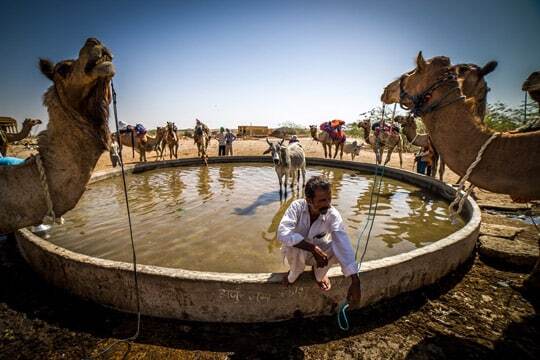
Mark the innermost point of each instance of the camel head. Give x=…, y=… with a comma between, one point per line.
x=532, y=86
x=406, y=121
x=428, y=73
x=365, y=124
x=470, y=76
x=532, y=83
x=313, y=130
x=31, y=122
x=390, y=93
x=83, y=84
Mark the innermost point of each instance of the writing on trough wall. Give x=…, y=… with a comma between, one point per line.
x=237, y=296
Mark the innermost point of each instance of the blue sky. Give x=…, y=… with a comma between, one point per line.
x=231, y=63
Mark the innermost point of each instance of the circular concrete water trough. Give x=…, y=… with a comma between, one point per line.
x=233, y=297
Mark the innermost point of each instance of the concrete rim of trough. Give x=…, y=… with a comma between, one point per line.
x=243, y=297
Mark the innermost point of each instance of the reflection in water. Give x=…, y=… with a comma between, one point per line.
x=226, y=176
x=270, y=234
x=203, y=186
x=336, y=180
x=184, y=219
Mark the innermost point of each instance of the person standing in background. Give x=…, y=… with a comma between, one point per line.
x=221, y=141
x=229, y=138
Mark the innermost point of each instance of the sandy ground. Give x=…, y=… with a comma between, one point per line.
x=476, y=312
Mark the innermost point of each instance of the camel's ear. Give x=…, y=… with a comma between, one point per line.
x=489, y=67
x=47, y=68
x=420, y=62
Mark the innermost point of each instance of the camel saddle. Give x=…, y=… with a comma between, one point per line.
x=387, y=129
x=334, y=129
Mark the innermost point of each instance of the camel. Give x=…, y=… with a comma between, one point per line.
x=171, y=139
x=474, y=88
x=471, y=81
x=408, y=128
x=28, y=124
x=385, y=139
x=324, y=138
x=141, y=144
x=160, y=142
x=458, y=135
x=78, y=105
x=202, y=139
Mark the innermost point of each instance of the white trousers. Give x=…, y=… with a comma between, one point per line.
x=298, y=259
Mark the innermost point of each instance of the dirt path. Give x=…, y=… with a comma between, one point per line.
x=474, y=313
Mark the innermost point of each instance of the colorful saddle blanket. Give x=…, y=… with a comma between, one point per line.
x=387, y=128
x=334, y=129
x=140, y=130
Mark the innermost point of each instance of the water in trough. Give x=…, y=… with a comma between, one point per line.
x=224, y=217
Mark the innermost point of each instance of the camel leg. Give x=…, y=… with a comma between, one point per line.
x=441, y=170
x=336, y=150
x=388, y=155
x=400, y=152
x=329, y=151
x=435, y=166
x=341, y=153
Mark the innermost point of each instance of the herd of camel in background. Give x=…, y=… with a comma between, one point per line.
x=471, y=81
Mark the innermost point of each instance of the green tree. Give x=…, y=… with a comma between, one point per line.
x=501, y=117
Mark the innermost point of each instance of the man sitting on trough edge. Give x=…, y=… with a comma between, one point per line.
x=312, y=233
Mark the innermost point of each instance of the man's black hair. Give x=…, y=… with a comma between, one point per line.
x=314, y=183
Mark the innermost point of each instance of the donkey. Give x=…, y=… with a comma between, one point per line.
x=288, y=161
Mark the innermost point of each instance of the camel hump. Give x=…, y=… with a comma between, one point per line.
x=489, y=67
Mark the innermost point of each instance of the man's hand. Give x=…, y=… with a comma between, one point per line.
x=354, y=293
x=320, y=256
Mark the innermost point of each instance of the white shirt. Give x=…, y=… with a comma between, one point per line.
x=295, y=227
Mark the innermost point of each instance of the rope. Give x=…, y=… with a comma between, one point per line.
x=460, y=195
x=525, y=109
x=414, y=138
x=50, y=217
x=342, y=319
x=134, y=255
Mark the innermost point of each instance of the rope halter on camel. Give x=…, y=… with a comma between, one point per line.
x=460, y=195
x=50, y=218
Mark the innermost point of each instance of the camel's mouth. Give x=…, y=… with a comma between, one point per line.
x=100, y=62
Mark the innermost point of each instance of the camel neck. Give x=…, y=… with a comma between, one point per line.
x=458, y=136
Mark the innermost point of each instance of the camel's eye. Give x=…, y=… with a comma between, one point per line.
x=64, y=69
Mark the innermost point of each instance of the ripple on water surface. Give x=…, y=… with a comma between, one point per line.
x=224, y=217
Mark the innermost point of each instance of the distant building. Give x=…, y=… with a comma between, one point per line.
x=248, y=130
x=8, y=124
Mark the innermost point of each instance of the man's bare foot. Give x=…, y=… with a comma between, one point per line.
x=324, y=284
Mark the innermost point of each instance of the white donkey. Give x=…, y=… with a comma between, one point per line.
x=288, y=161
